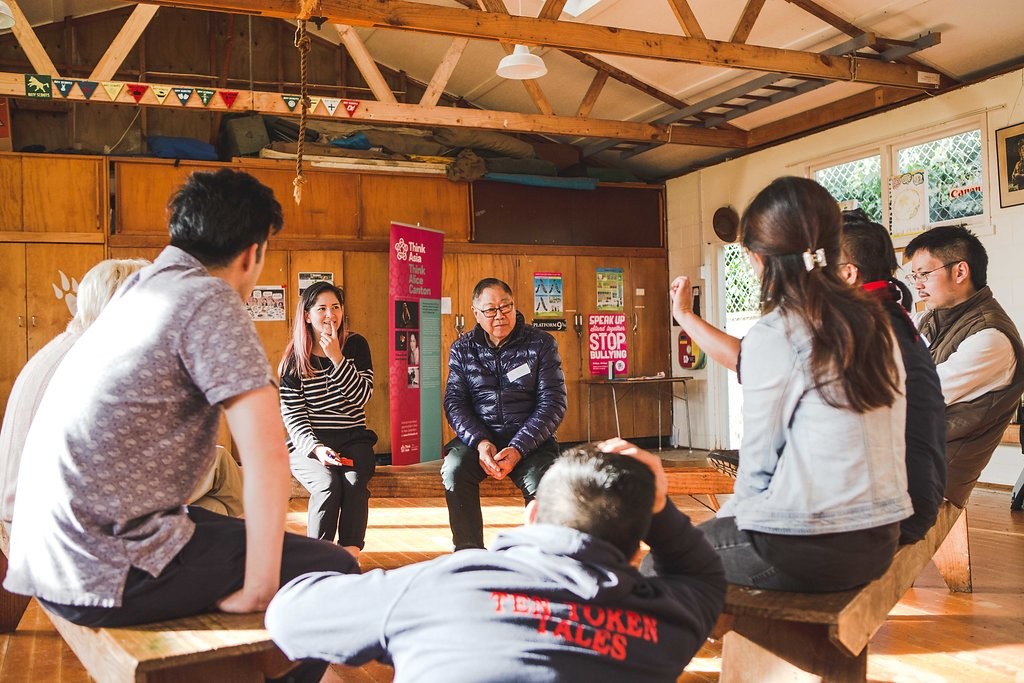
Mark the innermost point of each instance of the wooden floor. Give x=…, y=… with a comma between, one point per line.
x=931, y=636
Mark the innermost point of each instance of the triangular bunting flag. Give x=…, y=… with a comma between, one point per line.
x=184, y=95
x=313, y=101
x=113, y=89
x=290, y=101
x=229, y=97
x=137, y=90
x=160, y=92
x=351, y=106
x=87, y=88
x=38, y=85
x=64, y=86
x=205, y=94
x=332, y=104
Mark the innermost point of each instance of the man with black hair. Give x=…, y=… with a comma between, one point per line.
x=504, y=399
x=128, y=424
x=976, y=347
x=555, y=600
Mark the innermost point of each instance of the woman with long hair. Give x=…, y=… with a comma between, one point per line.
x=326, y=380
x=822, y=482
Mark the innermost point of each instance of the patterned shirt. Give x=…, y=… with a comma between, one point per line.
x=126, y=429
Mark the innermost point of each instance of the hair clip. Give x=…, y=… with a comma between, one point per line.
x=814, y=258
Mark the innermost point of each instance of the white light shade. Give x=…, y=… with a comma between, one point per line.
x=521, y=65
x=6, y=16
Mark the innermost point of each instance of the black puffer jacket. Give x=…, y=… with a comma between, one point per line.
x=483, y=402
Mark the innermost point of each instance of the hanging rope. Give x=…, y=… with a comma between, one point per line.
x=304, y=44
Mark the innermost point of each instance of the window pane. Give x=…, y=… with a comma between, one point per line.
x=860, y=180
x=954, y=174
x=742, y=310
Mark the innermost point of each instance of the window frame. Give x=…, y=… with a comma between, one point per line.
x=888, y=151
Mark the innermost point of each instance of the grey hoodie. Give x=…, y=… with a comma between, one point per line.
x=547, y=603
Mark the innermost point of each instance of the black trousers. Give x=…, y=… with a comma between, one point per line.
x=210, y=566
x=461, y=473
x=339, y=499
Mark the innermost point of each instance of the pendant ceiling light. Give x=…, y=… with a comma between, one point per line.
x=521, y=65
x=6, y=16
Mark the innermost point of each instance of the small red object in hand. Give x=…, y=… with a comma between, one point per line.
x=346, y=461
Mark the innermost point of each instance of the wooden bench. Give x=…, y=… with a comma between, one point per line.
x=228, y=648
x=777, y=635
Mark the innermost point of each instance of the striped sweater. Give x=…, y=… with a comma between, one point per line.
x=332, y=399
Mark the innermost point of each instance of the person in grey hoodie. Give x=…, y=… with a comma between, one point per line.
x=555, y=600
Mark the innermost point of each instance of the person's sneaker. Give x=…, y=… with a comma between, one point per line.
x=725, y=461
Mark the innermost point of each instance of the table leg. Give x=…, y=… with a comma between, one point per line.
x=689, y=432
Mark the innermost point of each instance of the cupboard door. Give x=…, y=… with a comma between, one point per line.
x=143, y=191
x=650, y=343
x=13, y=318
x=328, y=207
x=312, y=262
x=53, y=273
x=366, y=306
x=10, y=198
x=274, y=333
x=459, y=276
x=148, y=253
x=602, y=413
x=61, y=194
x=570, y=345
x=435, y=203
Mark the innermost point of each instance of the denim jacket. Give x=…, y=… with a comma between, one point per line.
x=807, y=468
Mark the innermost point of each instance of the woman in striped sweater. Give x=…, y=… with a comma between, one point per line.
x=326, y=380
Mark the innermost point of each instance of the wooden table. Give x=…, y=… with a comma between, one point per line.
x=628, y=382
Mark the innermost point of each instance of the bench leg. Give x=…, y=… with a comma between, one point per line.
x=760, y=650
x=953, y=558
x=12, y=606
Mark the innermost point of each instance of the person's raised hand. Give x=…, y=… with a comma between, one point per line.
x=681, y=295
x=652, y=461
x=330, y=342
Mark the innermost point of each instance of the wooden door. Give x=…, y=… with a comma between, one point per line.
x=62, y=194
x=459, y=276
x=53, y=272
x=13, y=317
x=570, y=345
x=10, y=197
x=366, y=306
x=650, y=344
x=143, y=191
x=274, y=333
x=602, y=408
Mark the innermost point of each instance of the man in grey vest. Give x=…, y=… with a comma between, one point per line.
x=976, y=347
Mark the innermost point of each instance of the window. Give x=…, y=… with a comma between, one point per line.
x=951, y=156
x=742, y=310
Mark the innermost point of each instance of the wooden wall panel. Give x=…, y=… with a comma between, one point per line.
x=328, y=207
x=274, y=334
x=650, y=341
x=13, y=317
x=142, y=192
x=62, y=194
x=366, y=306
x=10, y=197
x=326, y=261
x=570, y=346
x=46, y=292
x=435, y=203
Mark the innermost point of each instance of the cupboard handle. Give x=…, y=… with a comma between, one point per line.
x=21, y=321
x=33, y=321
x=460, y=322
x=636, y=322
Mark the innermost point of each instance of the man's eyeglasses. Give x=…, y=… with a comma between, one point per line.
x=923, y=277
x=503, y=309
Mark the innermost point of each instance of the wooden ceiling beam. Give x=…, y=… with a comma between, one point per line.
x=687, y=19
x=29, y=42
x=123, y=43
x=432, y=95
x=746, y=21
x=552, y=9
x=375, y=112
x=625, y=78
x=590, y=98
x=365, y=63
x=533, y=89
x=411, y=16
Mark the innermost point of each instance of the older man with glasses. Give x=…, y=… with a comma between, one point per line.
x=505, y=398
x=975, y=345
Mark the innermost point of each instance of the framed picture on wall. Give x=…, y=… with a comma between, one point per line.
x=1010, y=153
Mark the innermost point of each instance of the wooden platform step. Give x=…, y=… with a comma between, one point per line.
x=685, y=477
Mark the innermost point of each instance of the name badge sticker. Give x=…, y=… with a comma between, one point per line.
x=516, y=373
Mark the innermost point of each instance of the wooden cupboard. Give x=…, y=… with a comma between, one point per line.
x=52, y=194
x=37, y=298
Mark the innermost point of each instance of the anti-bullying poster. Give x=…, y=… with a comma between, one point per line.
x=414, y=329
